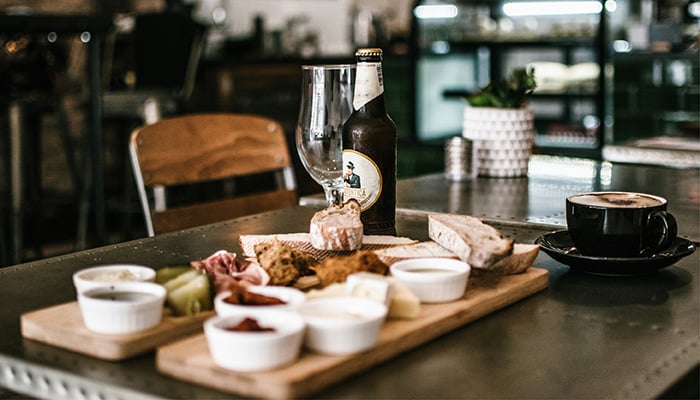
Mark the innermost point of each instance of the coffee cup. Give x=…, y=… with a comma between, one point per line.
x=619, y=224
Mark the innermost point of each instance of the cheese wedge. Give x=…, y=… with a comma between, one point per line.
x=403, y=304
x=372, y=286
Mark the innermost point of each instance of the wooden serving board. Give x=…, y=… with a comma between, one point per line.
x=189, y=359
x=62, y=326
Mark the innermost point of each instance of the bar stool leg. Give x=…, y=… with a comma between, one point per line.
x=16, y=186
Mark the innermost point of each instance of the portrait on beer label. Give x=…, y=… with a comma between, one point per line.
x=363, y=180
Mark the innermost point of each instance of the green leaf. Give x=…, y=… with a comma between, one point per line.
x=508, y=93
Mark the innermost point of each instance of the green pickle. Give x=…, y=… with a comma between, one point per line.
x=189, y=290
x=181, y=280
x=192, y=297
x=165, y=274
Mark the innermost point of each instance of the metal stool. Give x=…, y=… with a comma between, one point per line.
x=18, y=148
x=24, y=168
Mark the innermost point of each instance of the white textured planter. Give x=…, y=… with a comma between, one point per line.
x=502, y=139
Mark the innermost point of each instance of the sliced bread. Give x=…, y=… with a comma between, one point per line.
x=522, y=258
x=428, y=249
x=479, y=244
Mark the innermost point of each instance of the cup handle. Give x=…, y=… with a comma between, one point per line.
x=669, y=232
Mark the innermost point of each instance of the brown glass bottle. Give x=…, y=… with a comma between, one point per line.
x=369, y=148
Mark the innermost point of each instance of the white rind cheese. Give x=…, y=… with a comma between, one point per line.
x=372, y=286
x=403, y=304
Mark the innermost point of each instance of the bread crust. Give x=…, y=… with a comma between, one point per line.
x=522, y=258
x=337, y=227
x=428, y=249
x=338, y=268
x=479, y=244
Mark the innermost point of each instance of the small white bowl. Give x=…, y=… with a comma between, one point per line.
x=122, y=307
x=433, y=280
x=342, y=325
x=291, y=296
x=255, y=351
x=105, y=275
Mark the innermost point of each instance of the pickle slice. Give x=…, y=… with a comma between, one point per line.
x=191, y=298
x=181, y=280
x=165, y=274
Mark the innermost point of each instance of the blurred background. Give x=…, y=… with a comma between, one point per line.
x=617, y=80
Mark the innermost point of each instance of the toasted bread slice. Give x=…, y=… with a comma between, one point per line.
x=522, y=258
x=428, y=249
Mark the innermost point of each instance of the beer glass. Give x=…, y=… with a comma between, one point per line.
x=326, y=103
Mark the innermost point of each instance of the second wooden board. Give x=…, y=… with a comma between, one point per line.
x=189, y=359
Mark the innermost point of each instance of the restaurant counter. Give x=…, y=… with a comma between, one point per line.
x=585, y=336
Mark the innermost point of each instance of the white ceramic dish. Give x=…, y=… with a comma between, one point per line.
x=342, y=325
x=105, y=275
x=291, y=296
x=255, y=351
x=122, y=307
x=433, y=280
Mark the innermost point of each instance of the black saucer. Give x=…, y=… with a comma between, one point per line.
x=560, y=247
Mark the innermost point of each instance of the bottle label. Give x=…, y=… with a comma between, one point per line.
x=369, y=83
x=363, y=179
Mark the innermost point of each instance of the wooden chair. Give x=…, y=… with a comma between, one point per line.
x=200, y=148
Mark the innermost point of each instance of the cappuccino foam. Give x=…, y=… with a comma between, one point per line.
x=616, y=199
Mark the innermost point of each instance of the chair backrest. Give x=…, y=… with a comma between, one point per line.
x=198, y=148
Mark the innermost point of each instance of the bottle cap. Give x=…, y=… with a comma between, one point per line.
x=369, y=52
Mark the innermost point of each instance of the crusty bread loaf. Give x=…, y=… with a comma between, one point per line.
x=480, y=245
x=428, y=249
x=337, y=227
x=522, y=258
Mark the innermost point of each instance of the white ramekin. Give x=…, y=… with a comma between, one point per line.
x=106, y=275
x=105, y=310
x=433, y=280
x=255, y=351
x=342, y=325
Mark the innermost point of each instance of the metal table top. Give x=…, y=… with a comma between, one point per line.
x=585, y=336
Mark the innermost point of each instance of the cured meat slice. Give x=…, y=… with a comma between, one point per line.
x=225, y=268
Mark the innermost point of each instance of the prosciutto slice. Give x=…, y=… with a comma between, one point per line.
x=226, y=269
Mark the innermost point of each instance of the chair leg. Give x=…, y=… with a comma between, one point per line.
x=127, y=197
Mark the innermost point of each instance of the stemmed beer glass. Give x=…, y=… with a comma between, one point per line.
x=326, y=103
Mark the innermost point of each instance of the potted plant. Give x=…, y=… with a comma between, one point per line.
x=500, y=124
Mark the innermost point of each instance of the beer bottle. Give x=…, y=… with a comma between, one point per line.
x=369, y=148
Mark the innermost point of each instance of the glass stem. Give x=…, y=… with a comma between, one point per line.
x=334, y=195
